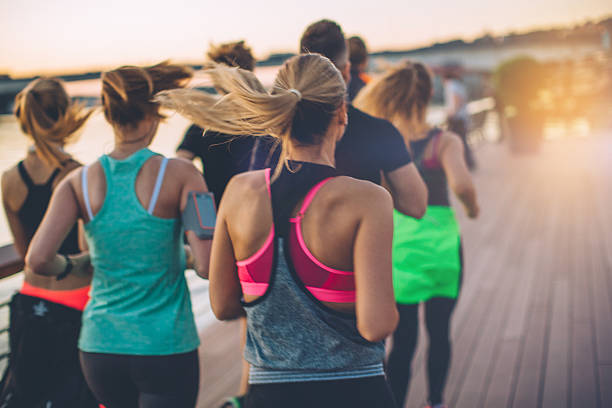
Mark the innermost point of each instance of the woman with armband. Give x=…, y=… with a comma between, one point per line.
x=138, y=344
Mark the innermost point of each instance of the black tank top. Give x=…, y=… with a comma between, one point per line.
x=34, y=207
x=430, y=168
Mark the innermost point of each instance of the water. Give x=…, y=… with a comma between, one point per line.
x=96, y=139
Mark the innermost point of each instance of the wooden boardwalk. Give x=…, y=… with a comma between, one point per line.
x=533, y=327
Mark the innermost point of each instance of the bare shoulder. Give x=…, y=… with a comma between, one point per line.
x=250, y=182
x=13, y=189
x=180, y=167
x=450, y=140
x=10, y=179
x=360, y=193
x=74, y=176
x=71, y=167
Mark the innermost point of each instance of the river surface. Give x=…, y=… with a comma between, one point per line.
x=95, y=139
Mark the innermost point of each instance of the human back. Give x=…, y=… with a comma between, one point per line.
x=50, y=120
x=138, y=256
x=328, y=226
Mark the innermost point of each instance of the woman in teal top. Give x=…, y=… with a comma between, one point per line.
x=427, y=252
x=138, y=343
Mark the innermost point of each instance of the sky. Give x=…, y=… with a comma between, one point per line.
x=54, y=36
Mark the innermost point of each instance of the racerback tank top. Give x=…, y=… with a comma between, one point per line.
x=35, y=205
x=291, y=335
x=430, y=168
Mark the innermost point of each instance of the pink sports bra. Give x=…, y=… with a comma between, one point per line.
x=324, y=283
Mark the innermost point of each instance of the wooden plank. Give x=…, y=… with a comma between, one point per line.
x=491, y=351
x=605, y=373
x=472, y=316
x=10, y=261
x=530, y=366
x=503, y=376
x=584, y=378
x=557, y=365
x=602, y=309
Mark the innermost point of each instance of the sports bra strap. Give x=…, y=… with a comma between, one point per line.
x=52, y=177
x=433, y=161
x=311, y=194
x=267, y=173
x=24, y=175
x=86, y=192
x=158, y=184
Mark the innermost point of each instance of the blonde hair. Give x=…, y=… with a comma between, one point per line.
x=127, y=92
x=307, y=91
x=404, y=90
x=46, y=114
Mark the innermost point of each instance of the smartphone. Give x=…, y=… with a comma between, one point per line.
x=200, y=214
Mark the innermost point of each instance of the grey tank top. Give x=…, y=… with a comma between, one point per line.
x=293, y=337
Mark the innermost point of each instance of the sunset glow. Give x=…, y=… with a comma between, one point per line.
x=74, y=36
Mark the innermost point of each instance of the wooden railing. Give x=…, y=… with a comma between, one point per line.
x=10, y=264
x=10, y=261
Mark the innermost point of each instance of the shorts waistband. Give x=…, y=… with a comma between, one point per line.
x=259, y=375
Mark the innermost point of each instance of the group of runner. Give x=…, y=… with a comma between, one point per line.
x=321, y=261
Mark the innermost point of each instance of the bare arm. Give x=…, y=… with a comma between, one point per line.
x=225, y=292
x=200, y=248
x=457, y=173
x=376, y=312
x=42, y=257
x=408, y=190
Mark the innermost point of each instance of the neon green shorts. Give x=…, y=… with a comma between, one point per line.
x=426, y=260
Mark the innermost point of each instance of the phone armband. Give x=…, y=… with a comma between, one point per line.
x=200, y=214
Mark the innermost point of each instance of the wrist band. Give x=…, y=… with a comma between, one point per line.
x=67, y=269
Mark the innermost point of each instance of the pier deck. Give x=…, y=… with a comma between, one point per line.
x=533, y=327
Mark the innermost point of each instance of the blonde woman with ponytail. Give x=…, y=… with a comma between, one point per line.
x=427, y=256
x=46, y=313
x=138, y=343
x=305, y=253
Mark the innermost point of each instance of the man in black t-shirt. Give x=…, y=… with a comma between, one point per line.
x=371, y=147
x=223, y=156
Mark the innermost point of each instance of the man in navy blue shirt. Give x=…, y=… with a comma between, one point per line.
x=371, y=148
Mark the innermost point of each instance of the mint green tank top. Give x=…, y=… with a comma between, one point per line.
x=140, y=302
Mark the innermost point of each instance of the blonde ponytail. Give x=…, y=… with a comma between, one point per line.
x=46, y=114
x=307, y=84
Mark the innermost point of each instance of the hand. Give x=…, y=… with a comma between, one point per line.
x=189, y=258
x=472, y=212
x=82, y=265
